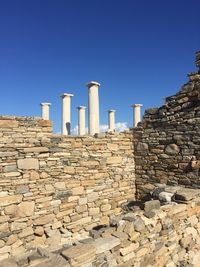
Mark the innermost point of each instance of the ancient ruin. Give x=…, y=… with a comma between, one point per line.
x=100, y=199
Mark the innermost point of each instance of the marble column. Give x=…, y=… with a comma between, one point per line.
x=45, y=110
x=81, y=120
x=93, y=107
x=137, y=114
x=111, y=120
x=66, y=113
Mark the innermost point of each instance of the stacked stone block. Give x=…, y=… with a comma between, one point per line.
x=55, y=189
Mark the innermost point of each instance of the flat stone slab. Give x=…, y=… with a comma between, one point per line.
x=104, y=244
x=80, y=254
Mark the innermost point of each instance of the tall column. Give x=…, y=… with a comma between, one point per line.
x=66, y=113
x=93, y=107
x=111, y=120
x=137, y=114
x=45, y=110
x=81, y=120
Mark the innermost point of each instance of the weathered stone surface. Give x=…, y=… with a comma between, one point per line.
x=8, y=123
x=151, y=205
x=7, y=200
x=107, y=243
x=80, y=255
x=44, y=219
x=25, y=209
x=28, y=164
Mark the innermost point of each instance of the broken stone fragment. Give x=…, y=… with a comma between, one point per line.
x=151, y=205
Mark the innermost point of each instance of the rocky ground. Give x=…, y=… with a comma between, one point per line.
x=149, y=234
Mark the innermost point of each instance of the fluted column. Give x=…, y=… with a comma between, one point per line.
x=81, y=120
x=93, y=107
x=45, y=110
x=111, y=120
x=66, y=113
x=136, y=114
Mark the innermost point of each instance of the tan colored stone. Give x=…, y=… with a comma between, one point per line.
x=80, y=254
x=28, y=164
x=7, y=200
x=114, y=160
x=78, y=190
x=2, y=243
x=34, y=175
x=69, y=170
x=8, y=124
x=36, y=149
x=17, y=226
x=60, y=185
x=113, y=147
x=129, y=249
x=26, y=232
x=39, y=231
x=105, y=207
x=11, y=239
x=44, y=219
x=4, y=227
x=25, y=209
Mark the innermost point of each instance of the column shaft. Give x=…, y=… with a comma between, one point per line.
x=137, y=114
x=81, y=120
x=66, y=114
x=93, y=108
x=45, y=110
x=111, y=120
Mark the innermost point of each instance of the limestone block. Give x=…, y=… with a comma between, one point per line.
x=4, y=227
x=25, y=209
x=8, y=154
x=105, y=207
x=36, y=149
x=151, y=205
x=44, y=219
x=79, y=255
x=78, y=190
x=132, y=247
x=26, y=232
x=17, y=225
x=8, y=124
x=114, y=160
x=39, y=231
x=28, y=164
x=60, y=185
x=104, y=244
x=7, y=200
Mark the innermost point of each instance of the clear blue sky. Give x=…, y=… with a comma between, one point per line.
x=139, y=50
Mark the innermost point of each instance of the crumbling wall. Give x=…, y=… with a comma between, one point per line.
x=167, y=143
x=54, y=189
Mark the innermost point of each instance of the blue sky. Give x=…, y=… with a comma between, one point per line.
x=139, y=50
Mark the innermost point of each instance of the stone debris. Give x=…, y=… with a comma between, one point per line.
x=170, y=238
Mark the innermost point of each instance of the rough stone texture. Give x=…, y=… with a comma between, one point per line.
x=167, y=142
x=171, y=238
x=55, y=189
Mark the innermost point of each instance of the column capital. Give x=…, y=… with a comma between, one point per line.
x=91, y=83
x=81, y=107
x=66, y=94
x=111, y=110
x=136, y=105
x=45, y=104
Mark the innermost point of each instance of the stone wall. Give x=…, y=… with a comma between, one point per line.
x=154, y=236
x=167, y=143
x=54, y=189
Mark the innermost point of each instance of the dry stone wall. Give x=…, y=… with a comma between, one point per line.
x=54, y=189
x=167, y=143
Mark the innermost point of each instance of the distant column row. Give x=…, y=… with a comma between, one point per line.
x=93, y=113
